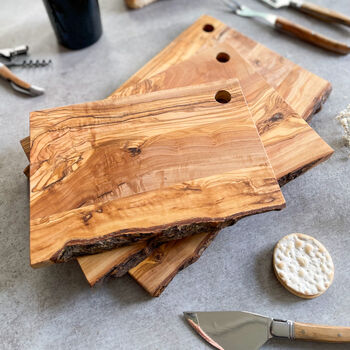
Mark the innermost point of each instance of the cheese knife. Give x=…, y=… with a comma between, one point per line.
x=289, y=27
x=237, y=330
x=311, y=9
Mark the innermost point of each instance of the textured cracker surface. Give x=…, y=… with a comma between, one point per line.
x=344, y=120
x=303, y=264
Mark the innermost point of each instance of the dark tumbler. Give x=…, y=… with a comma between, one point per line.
x=77, y=23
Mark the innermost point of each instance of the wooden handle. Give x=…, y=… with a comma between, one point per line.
x=328, y=334
x=311, y=37
x=136, y=4
x=324, y=13
x=8, y=75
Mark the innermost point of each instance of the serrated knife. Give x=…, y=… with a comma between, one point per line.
x=237, y=330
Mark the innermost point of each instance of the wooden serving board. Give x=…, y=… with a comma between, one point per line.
x=279, y=72
x=303, y=90
x=291, y=144
x=165, y=164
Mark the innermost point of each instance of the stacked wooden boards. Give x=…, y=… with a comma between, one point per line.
x=207, y=32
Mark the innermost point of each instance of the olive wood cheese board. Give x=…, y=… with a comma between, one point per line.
x=165, y=164
x=291, y=145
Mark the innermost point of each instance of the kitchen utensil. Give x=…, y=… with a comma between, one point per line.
x=18, y=84
x=311, y=9
x=286, y=26
x=28, y=63
x=77, y=24
x=170, y=163
x=14, y=51
x=235, y=330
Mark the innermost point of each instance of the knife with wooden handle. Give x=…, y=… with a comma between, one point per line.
x=313, y=10
x=18, y=84
x=289, y=27
x=236, y=330
x=303, y=33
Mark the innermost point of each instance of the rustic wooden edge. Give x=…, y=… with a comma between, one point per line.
x=115, y=265
x=153, y=280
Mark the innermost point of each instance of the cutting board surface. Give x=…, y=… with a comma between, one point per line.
x=304, y=91
x=113, y=172
x=291, y=144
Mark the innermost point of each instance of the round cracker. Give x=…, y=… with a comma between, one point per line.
x=303, y=265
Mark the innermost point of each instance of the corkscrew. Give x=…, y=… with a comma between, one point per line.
x=16, y=83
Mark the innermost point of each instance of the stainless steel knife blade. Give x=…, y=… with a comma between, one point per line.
x=237, y=330
x=231, y=329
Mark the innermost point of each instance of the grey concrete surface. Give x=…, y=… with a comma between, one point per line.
x=54, y=307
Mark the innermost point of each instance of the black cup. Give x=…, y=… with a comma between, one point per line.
x=77, y=23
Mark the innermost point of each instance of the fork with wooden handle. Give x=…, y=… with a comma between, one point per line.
x=18, y=84
x=286, y=26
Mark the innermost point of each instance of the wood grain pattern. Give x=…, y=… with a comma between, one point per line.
x=324, y=13
x=25, y=143
x=115, y=262
x=329, y=334
x=165, y=164
x=291, y=144
x=316, y=39
x=304, y=91
x=157, y=271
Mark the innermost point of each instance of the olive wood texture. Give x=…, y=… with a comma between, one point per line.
x=324, y=14
x=291, y=144
x=304, y=91
x=158, y=270
x=328, y=334
x=305, y=34
x=114, y=262
x=166, y=164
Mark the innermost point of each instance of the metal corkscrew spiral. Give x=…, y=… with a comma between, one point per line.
x=29, y=63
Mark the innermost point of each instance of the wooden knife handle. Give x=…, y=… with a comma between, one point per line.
x=328, y=334
x=136, y=4
x=8, y=75
x=309, y=36
x=324, y=13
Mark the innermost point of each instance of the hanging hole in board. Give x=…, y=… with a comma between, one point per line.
x=223, y=96
x=208, y=28
x=223, y=57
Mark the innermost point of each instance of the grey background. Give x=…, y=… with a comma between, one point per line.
x=54, y=306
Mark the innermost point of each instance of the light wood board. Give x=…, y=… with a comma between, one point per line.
x=303, y=90
x=174, y=162
x=291, y=144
